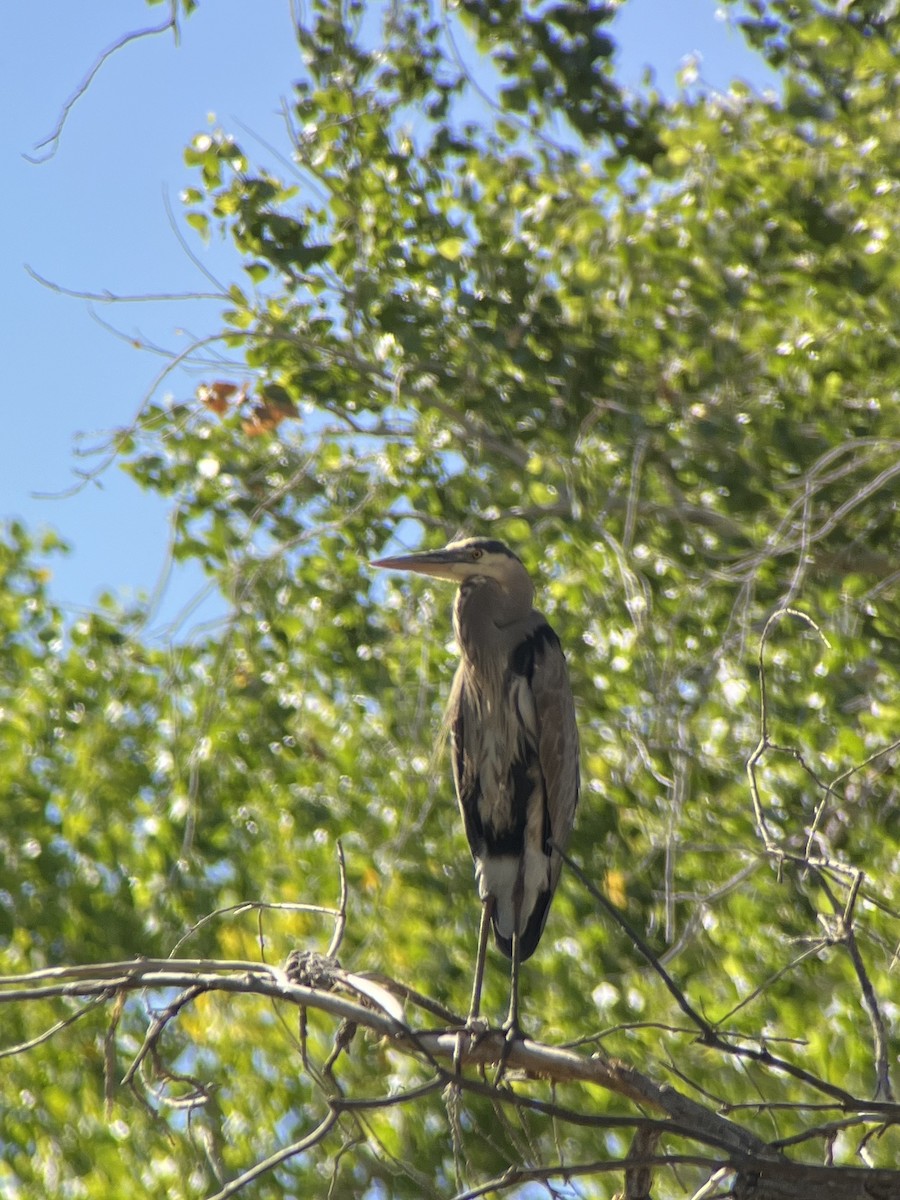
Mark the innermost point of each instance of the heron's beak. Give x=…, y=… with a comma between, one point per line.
x=439, y=564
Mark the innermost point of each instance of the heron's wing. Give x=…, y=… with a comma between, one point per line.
x=557, y=736
x=549, y=755
x=464, y=725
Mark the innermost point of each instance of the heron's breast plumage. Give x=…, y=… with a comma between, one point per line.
x=505, y=756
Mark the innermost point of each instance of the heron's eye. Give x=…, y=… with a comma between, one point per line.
x=476, y=552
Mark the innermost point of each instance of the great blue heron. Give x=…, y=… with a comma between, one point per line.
x=515, y=745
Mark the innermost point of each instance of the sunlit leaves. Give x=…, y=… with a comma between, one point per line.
x=659, y=357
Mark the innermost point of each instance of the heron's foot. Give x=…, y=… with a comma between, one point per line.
x=512, y=1032
x=471, y=1035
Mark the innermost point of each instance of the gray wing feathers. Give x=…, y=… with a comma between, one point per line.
x=462, y=729
x=558, y=744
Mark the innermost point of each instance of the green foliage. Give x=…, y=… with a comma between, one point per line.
x=658, y=354
x=557, y=57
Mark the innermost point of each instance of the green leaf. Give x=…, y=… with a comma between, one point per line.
x=451, y=248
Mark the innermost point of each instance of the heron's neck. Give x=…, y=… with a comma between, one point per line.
x=485, y=617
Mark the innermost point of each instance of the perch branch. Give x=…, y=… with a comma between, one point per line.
x=260, y=979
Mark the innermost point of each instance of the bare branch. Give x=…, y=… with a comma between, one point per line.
x=761, y=989
x=24, y=1047
x=108, y=297
x=261, y=979
x=710, y=1036
x=739, y=1149
x=827, y=1130
x=341, y=916
x=847, y=935
x=678, y=995
x=312, y=1139
x=157, y=1027
x=51, y=141
x=832, y=786
x=221, y=288
x=765, y=743
x=253, y=906
x=518, y=1175
x=638, y=1171
x=783, y=540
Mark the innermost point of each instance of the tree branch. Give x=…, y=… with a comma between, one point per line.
x=274, y=1160
x=51, y=141
x=710, y=1035
x=535, y=1059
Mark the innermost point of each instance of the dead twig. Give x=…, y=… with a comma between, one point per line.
x=51, y=142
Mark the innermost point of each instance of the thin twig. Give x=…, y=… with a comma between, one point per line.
x=838, y=779
x=519, y=1175
x=709, y=1034
x=39, y=1039
x=108, y=297
x=828, y=1130
x=222, y=290
x=157, y=1028
x=764, y=742
x=280, y=1156
x=880, y=1041
x=810, y=952
x=341, y=917
x=675, y=991
x=252, y=906
x=345, y=1104
x=52, y=138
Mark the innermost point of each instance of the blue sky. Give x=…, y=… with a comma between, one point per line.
x=93, y=218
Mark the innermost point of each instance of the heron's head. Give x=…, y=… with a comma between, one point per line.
x=468, y=558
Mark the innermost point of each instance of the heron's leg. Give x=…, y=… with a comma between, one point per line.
x=511, y=1024
x=472, y=1021
x=487, y=911
x=511, y=1028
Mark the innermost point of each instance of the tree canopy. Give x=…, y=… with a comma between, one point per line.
x=652, y=344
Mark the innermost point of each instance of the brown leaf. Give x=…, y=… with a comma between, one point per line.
x=262, y=420
x=219, y=396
